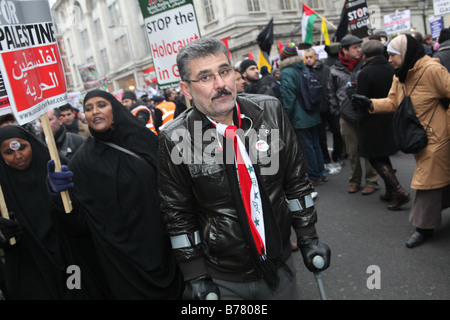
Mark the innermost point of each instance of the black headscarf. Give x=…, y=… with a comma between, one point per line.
x=127, y=131
x=118, y=197
x=34, y=264
x=414, y=52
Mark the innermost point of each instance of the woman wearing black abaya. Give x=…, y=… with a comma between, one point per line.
x=34, y=267
x=118, y=201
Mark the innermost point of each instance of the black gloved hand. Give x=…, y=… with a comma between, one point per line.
x=311, y=247
x=199, y=289
x=58, y=181
x=10, y=228
x=361, y=101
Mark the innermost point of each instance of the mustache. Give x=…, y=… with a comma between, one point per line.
x=222, y=92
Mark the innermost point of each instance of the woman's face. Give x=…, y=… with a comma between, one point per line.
x=17, y=153
x=395, y=60
x=99, y=114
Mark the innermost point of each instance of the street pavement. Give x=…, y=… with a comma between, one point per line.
x=369, y=259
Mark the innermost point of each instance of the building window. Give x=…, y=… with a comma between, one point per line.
x=315, y=4
x=285, y=4
x=122, y=49
x=85, y=38
x=145, y=40
x=209, y=10
x=92, y=4
x=104, y=61
x=114, y=14
x=98, y=29
x=253, y=5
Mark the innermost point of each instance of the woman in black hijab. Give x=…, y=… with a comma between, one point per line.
x=115, y=186
x=34, y=267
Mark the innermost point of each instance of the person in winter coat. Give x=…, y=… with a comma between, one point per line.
x=253, y=83
x=67, y=143
x=230, y=220
x=276, y=84
x=305, y=123
x=341, y=85
x=443, y=53
x=72, y=123
x=432, y=175
x=322, y=73
x=375, y=136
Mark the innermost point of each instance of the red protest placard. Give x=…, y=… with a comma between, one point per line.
x=35, y=72
x=31, y=66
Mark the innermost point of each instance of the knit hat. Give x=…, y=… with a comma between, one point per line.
x=445, y=35
x=129, y=95
x=264, y=70
x=289, y=50
x=246, y=64
x=372, y=48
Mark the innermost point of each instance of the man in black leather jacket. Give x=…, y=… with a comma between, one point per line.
x=206, y=214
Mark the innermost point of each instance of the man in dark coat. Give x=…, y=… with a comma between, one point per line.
x=443, y=52
x=253, y=83
x=375, y=137
x=322, y=73
x=341, y=86
x=217, y=236
x=67, y=143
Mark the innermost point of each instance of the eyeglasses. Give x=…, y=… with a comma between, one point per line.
x=208, y=79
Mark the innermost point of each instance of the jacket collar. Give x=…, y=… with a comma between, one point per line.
x=444, y=46
x=318, y=66
x=289, y=62
x=375, y=61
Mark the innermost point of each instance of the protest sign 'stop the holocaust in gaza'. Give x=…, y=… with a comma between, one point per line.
x=30, y=62
x=170, y=25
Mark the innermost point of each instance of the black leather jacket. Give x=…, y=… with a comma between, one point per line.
x=196, y=199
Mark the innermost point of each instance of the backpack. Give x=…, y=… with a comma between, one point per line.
x=409, y=134
x=310, y=96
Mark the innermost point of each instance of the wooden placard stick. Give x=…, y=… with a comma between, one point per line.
x=5, y=213
x=188, y=103
x=55, y=157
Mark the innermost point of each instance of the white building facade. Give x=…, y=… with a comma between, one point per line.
x=111, y=33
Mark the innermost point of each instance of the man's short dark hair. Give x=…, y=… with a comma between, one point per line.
x=199, y=48
x=66, y=107
x=7, y=118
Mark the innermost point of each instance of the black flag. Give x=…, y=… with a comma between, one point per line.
x=265, y=38
x=342, y=28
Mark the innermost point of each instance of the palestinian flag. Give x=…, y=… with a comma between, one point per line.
x=309, y=16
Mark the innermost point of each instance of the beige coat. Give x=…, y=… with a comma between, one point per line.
x=433, y=162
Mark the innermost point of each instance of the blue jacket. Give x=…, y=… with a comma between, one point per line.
x=300, y=119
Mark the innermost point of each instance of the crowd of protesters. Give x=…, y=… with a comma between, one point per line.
x=157, y=214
